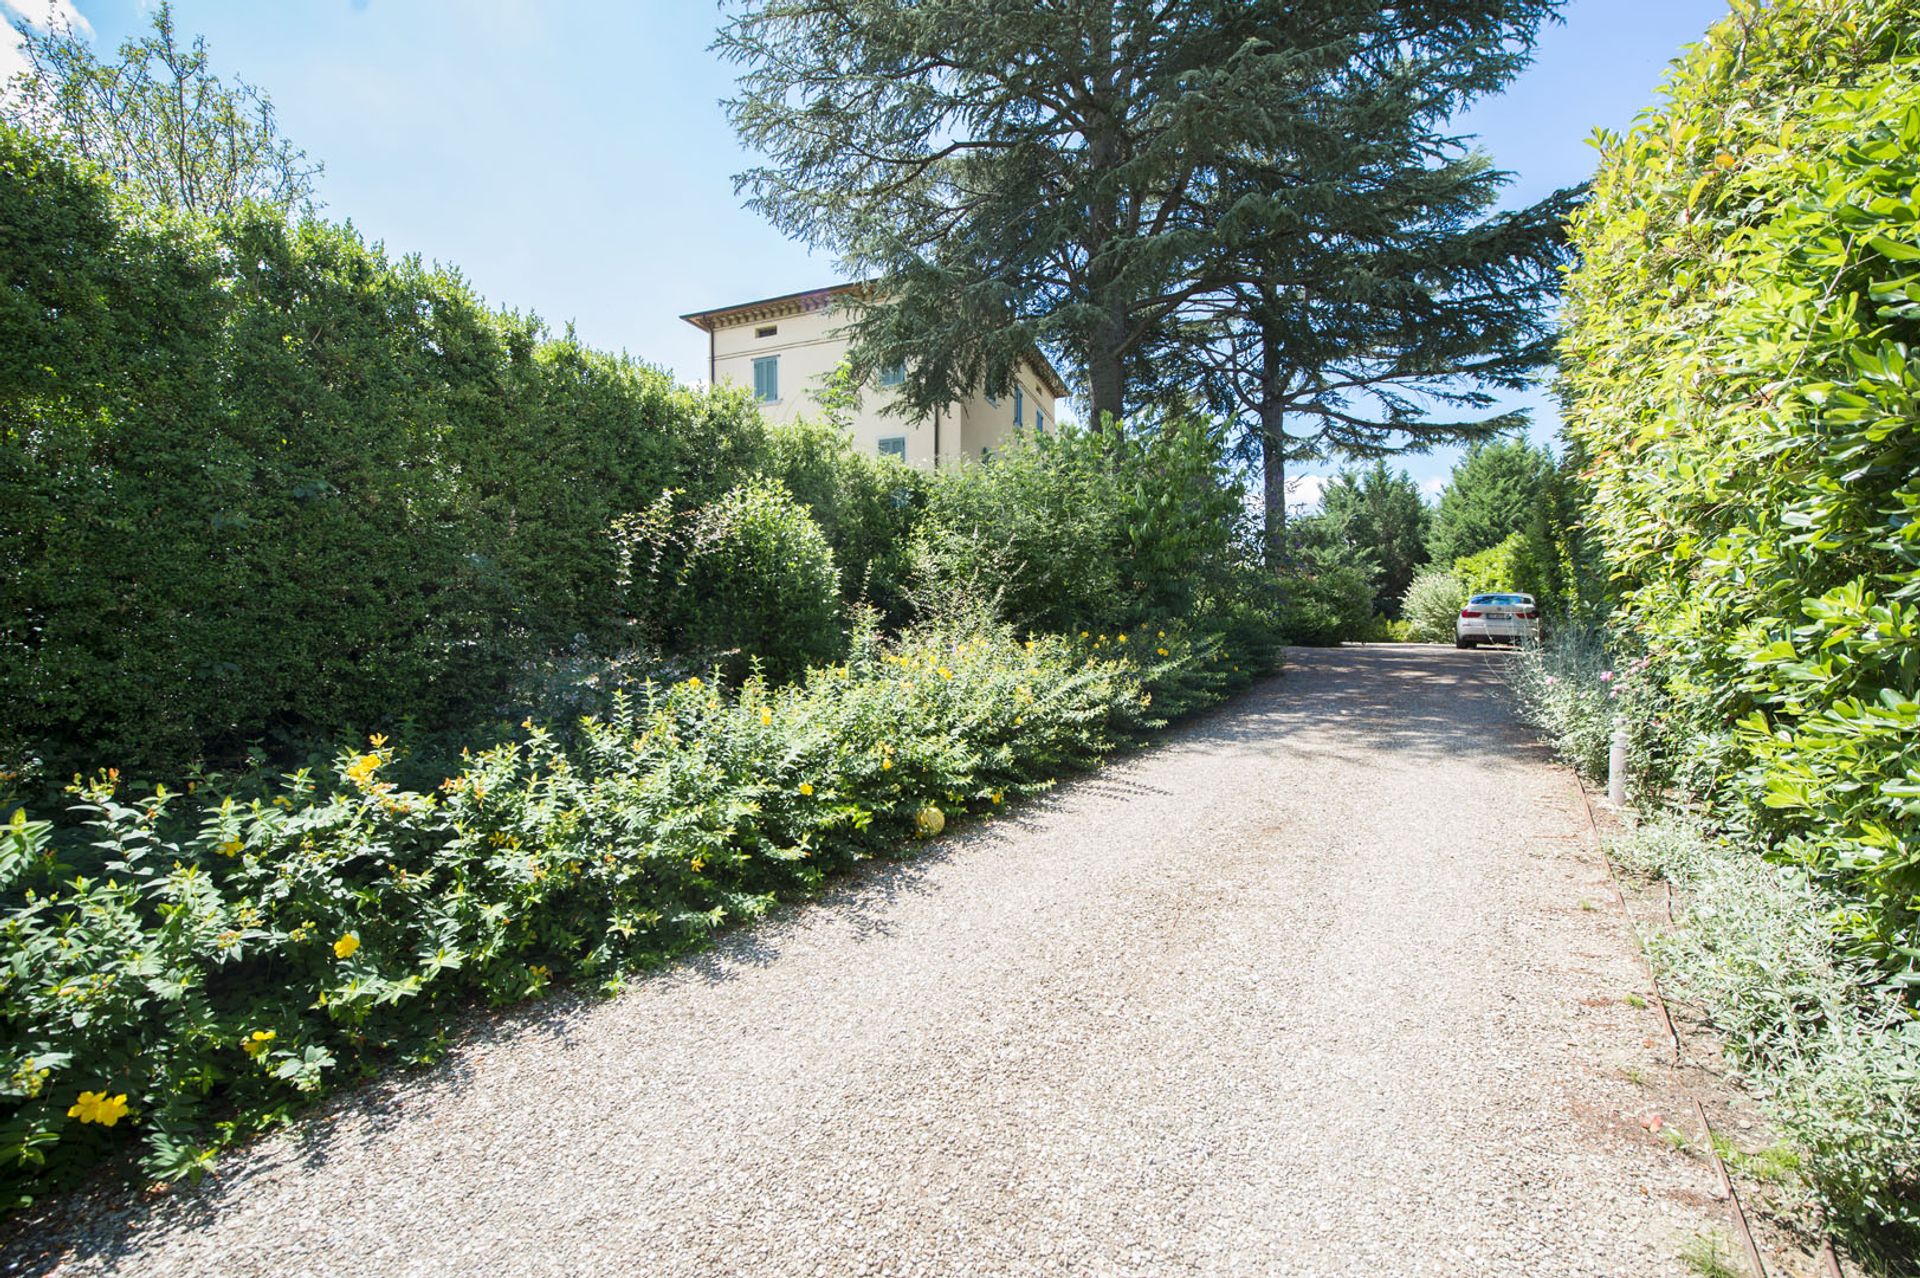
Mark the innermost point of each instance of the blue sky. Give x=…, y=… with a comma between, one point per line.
x=573, y=160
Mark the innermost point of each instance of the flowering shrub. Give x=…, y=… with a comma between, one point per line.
x=1574, y=691
x=204, y=964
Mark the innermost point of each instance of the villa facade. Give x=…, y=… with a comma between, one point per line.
x=784, y=349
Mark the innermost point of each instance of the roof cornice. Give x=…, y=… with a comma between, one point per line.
x=821, y=299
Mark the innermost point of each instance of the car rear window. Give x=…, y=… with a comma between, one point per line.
x=1502, y=599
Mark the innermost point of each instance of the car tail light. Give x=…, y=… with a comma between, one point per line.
x=1529, y=615
x=1469, y=612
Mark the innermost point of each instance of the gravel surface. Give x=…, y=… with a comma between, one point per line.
x=1306, y=989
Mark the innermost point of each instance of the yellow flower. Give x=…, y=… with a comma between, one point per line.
x=1162, y=651
x=361, y=770
x=346, y=945
x=1120, y=639
x=378, y=740
x=539, y=971
x=998, y=795
x=1083, y=634
x=255, y=1044
x=694, y=681
x=945, y=673
x=886, y=764
x=766, y=717
x=230, y=848
x=1163, y=634
x=98, y=1107
x=806, y=787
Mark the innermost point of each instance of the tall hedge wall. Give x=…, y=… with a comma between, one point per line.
x=1739, y=370
x=259, y=476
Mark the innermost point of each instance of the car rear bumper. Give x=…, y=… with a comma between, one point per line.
x=1498, y=630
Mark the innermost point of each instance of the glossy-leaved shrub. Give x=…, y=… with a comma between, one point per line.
x=1738, y=372
x=1739, y=375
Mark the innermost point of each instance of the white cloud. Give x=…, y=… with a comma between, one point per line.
x=13, y=58
x=44, y=14
x=1432, y=486
x=40, y=15
x=1305, y=490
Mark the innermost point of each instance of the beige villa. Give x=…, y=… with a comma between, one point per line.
x=784, y=348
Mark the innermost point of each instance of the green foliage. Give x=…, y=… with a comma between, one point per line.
x=1576, y=691
x=1514, y=564
x=1379, y=513
x=1739, y=374
x=1114, y=157
x=867, y=507
x=261, y=480
x=1497, y=490
x=222, y=958
x=1074, y=528
x=758, y=581
x=1327, y=606
x=1432, y=605
x=1831, y=1051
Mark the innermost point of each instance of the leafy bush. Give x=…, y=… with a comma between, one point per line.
x=1739, y=374
x=1831, y=1051
x=195, y=957
x=758, y=580
x=1511, y=565
x=1327, y=607
x=1432, y=605
x=866, y=506
x=1075, y=528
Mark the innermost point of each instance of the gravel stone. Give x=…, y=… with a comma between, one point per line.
x=1306, y=988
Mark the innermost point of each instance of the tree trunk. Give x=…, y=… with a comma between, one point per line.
x=1273, y=454
x=1106, y=383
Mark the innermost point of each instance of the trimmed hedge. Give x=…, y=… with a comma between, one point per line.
x=262, y=480
x=1739, y=373
x=1740, y=376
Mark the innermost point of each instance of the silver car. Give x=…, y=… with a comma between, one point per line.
x=1499, y=616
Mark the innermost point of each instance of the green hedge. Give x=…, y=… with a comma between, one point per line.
x=206, y=963
x=261, y=479
x=1739, y=376
x=1738, y=367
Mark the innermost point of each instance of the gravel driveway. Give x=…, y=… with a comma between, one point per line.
x=1306, y=989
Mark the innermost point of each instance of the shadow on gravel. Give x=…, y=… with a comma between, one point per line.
x=1416, y=703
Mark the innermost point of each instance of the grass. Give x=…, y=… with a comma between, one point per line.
x=1710, y=1255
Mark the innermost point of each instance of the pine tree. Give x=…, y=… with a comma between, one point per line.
x=1012, y=173
x=1363, y=280
x=1379, y=512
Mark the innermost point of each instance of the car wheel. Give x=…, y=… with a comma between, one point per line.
x=1460, y=641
